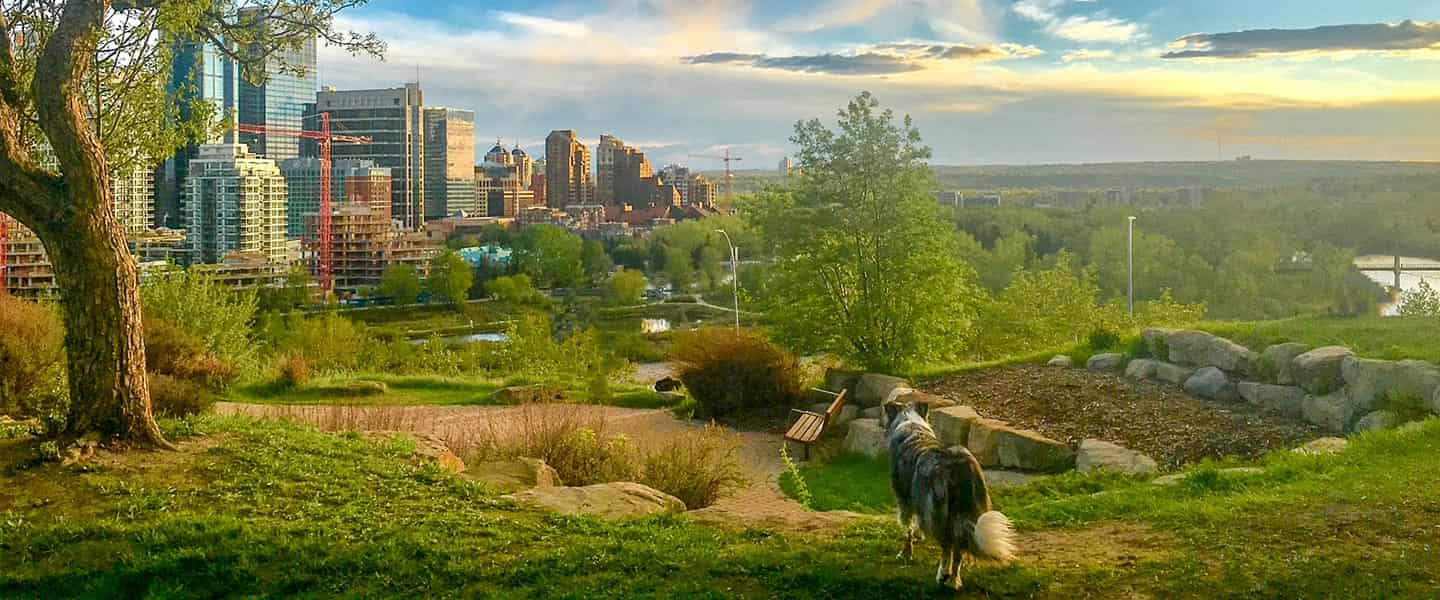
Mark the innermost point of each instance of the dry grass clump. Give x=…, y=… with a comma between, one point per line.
x=730, y=372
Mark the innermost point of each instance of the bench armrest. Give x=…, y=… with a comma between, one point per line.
x=795, y=414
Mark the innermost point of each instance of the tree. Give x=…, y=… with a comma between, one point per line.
x=515, y=289
x=596, y=262
x=401, y=283
x=548, y=254
x=627, y=287
x=1420, y=301
x=295, y=292
x=48, y=96
x=679, y=269
x=450, y=278
x=863, y=264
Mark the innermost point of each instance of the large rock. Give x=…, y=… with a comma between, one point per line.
x=1172, y=373
x=1140, y=368
x=874, y=412
x=872, y=389
x=1368, y=381
x=509, y=476
x=866, y=436
x=1155, y=342
x=1324, y=445
x=1096, y=455
x=1332, y=412
x=527, y=394
x=1109, y=361
x=1060, y=360
x=1212, y=384
x=1275, y=362
x=1318, y=370
x=952, y=424
x=1201, y=349
x=995, y=443
x=1377, y=421
x=1281, y=399
x=848, y=413
x=432, y=449
x=840, y=379
x=931, y=400
x=618, y=500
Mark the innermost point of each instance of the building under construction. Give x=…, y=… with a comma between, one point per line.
x=364, y=241
x=27, y=270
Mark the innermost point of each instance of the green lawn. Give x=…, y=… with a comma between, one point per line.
x=420, y=390
x=1375, y=337
x=274, y=509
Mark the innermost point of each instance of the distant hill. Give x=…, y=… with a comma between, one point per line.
x=1214, y=174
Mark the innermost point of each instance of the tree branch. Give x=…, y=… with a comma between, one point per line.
x=27, y=188
x=60, y=98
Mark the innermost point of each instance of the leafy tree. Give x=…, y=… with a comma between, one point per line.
x=863, y=264
x=596, y=261
x=204, y=310
x=295, y=293
x=450, y=278
x=630, y=253
x=80, y=58
x=400, y=282
x=1420, y=301
x=515, y=289
x=495, y=233
x=712, y=265
x=549, y=254
x=627, y=287
x=679, y=269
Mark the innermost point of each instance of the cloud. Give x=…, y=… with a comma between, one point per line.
x=880, y=59
x=1407, y=36
x=837, y=14
x=543, y=25
x=1086, y=54
x=1078, y=28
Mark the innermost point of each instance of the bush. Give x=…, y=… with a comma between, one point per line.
x=173, y=351
x=626, y=287
x=1103, y=339
x=294, y=371
x=328, y=342
x=696, y=467
x=517, y=290
x=32, y=355
x=728, y=371
x=204, y=310
x=175, y=397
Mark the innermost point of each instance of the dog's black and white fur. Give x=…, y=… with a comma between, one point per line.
x=941, y=493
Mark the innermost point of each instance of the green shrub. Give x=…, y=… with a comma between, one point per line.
x=294, y=371
x=626, y=287
x=32, y=355
x=176, y=397
x=209, y=312
x=328, y=342
x=1103, y=339
x=696, y=467
x=173, y=351
x=729, y=371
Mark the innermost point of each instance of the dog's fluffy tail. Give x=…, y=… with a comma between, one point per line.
x=993, y=537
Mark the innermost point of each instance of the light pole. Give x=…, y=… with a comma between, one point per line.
x=1130, y=264
x=734, y=274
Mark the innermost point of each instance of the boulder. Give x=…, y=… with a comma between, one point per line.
x=866, y=436
x=1377, y=421
x=1155, y=342
x=952, y=424
x=1109, y=361
x=526, y=394
x=840, y=379
x=1140, y=368
x=995, y=443
x=848, y=413
x=1201, y=349
x=1280, y=399
x=1096, y=455
x=999, y=479
x=872, y=389
x=509, y=476
x=1211, y=383
x=432, y=449
x=1318, y=370
x=1332, y=412
x=1324, y=445
x=1275, y=362
x=617, y=500
x=365, y=387
x=1060, y=360
x=933, y=401
x=1176, y=478
x=1172, y=373
x=874, y=412
x=1368, y=381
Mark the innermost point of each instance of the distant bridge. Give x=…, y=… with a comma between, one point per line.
x=1396, y=265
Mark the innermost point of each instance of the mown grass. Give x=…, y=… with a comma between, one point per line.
x=1370, y=336
x=422, y=390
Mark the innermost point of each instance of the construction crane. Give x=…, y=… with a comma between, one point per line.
x=728, y=175
x=4, y=248
x=325, y=139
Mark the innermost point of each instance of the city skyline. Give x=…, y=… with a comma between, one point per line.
x=1028, y=81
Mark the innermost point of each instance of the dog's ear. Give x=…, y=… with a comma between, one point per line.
x=923, y=409
x=891, y=410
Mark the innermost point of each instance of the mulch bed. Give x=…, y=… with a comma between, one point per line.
x=1158, y=419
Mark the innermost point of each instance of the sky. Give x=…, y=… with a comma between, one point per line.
x=986, y=81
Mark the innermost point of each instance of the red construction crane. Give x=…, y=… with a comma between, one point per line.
x=4, y=247
x=325, y=139
x=728, y=175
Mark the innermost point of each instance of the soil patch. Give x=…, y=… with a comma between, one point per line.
x=1114, y=545
x=1158, y=419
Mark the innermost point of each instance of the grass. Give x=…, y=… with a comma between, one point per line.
x=422, y=391
x=1372, y=336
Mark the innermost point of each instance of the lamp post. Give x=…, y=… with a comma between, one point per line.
x=1130, y=264
x=734, y=274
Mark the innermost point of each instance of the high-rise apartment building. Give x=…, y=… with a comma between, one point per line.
x=134, y=199
x=352, y=180
x=394, y=119
x=234, y=202
x=500, y=192
x=606, y=153
x=199, y=70
x=449, y=161
x=679, y=177
x=567, y=170
x=785, y=166
x=279, y=102
x=700, y=191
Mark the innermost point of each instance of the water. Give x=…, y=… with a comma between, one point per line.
x=467, y=339
x=654, y=325
x=1409, y=280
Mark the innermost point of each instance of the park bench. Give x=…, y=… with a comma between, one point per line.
x=808, y=425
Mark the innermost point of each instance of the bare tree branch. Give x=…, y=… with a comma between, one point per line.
x=26, y=186
x=60, y=97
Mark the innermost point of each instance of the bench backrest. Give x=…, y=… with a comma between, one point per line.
x=836, y=405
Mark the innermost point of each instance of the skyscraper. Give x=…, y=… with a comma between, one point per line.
x=393, y=118
x=449, y=161
x=280, y=101
x=606, y=153
x=198, y=71
x=567, y=170
x=352, y=180
x=234, y=202
x=134, y=199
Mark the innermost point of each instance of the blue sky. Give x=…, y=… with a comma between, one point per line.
x=987, y=81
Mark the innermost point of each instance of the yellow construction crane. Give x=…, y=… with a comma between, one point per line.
x=728, y=175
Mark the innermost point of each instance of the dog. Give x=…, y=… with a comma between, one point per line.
x=941, y=493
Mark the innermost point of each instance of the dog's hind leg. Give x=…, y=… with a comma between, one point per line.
x=956, y=555
x=943, y=571
x=908, y=522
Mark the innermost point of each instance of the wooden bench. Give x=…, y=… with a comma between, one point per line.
x=808, y=425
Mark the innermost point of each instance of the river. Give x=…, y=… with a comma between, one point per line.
x=1409, y=280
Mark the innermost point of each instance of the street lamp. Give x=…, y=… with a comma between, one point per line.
x=1130, y=264
x=734, y=274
